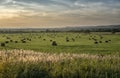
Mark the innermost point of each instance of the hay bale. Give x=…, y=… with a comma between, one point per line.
x=44, y=39
x=16, y=41
x=96, y=42
x=100, y=41
x=106, y=41
x=3, y=44
x=54, y=43
x=89, y=38
x=29, y=39
x=23, y=41
x=11, y=40
x=50, y=40
x=73, y=39
x=109, y=40
x=6, y=41
x=67, y=40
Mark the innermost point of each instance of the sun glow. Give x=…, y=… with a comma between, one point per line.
x=8, y=13
x=58, y=13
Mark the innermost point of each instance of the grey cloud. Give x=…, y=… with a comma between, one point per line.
x=61, y=5
x=87, y=9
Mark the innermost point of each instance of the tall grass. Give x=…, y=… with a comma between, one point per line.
x=30, y=64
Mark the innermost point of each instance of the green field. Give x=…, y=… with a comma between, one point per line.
x=75, y=55
x=78, y=42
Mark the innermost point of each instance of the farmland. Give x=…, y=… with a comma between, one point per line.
x=66, y=42
x=60, y=55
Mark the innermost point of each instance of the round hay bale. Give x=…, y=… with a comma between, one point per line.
x=3, y=44
x=54, y=43
x=16, y=41
x=23, y=41
x=96, y=42
x=100, y=41
x=6, y=41
x=106, y=41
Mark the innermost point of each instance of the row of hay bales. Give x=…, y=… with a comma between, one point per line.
x=10, y=40
x=98, y=40
x=23, y=39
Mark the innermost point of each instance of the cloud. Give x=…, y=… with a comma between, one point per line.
x=65, y=11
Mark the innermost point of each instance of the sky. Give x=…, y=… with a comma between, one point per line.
x=58, y=13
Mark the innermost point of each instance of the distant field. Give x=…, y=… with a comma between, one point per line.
x=66, y=42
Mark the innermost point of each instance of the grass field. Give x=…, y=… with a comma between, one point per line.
x=60, y=55
x=77, y=42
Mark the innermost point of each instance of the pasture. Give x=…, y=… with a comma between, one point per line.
x=60, y=55
x=65, y=42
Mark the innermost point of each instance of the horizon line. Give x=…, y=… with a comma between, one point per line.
x=56, y=26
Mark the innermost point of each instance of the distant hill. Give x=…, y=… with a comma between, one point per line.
x=94, y=28
x=107, y=28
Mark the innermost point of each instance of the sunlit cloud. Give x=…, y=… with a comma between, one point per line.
x=60, y=12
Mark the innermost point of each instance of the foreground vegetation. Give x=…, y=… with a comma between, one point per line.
x=30, y=64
